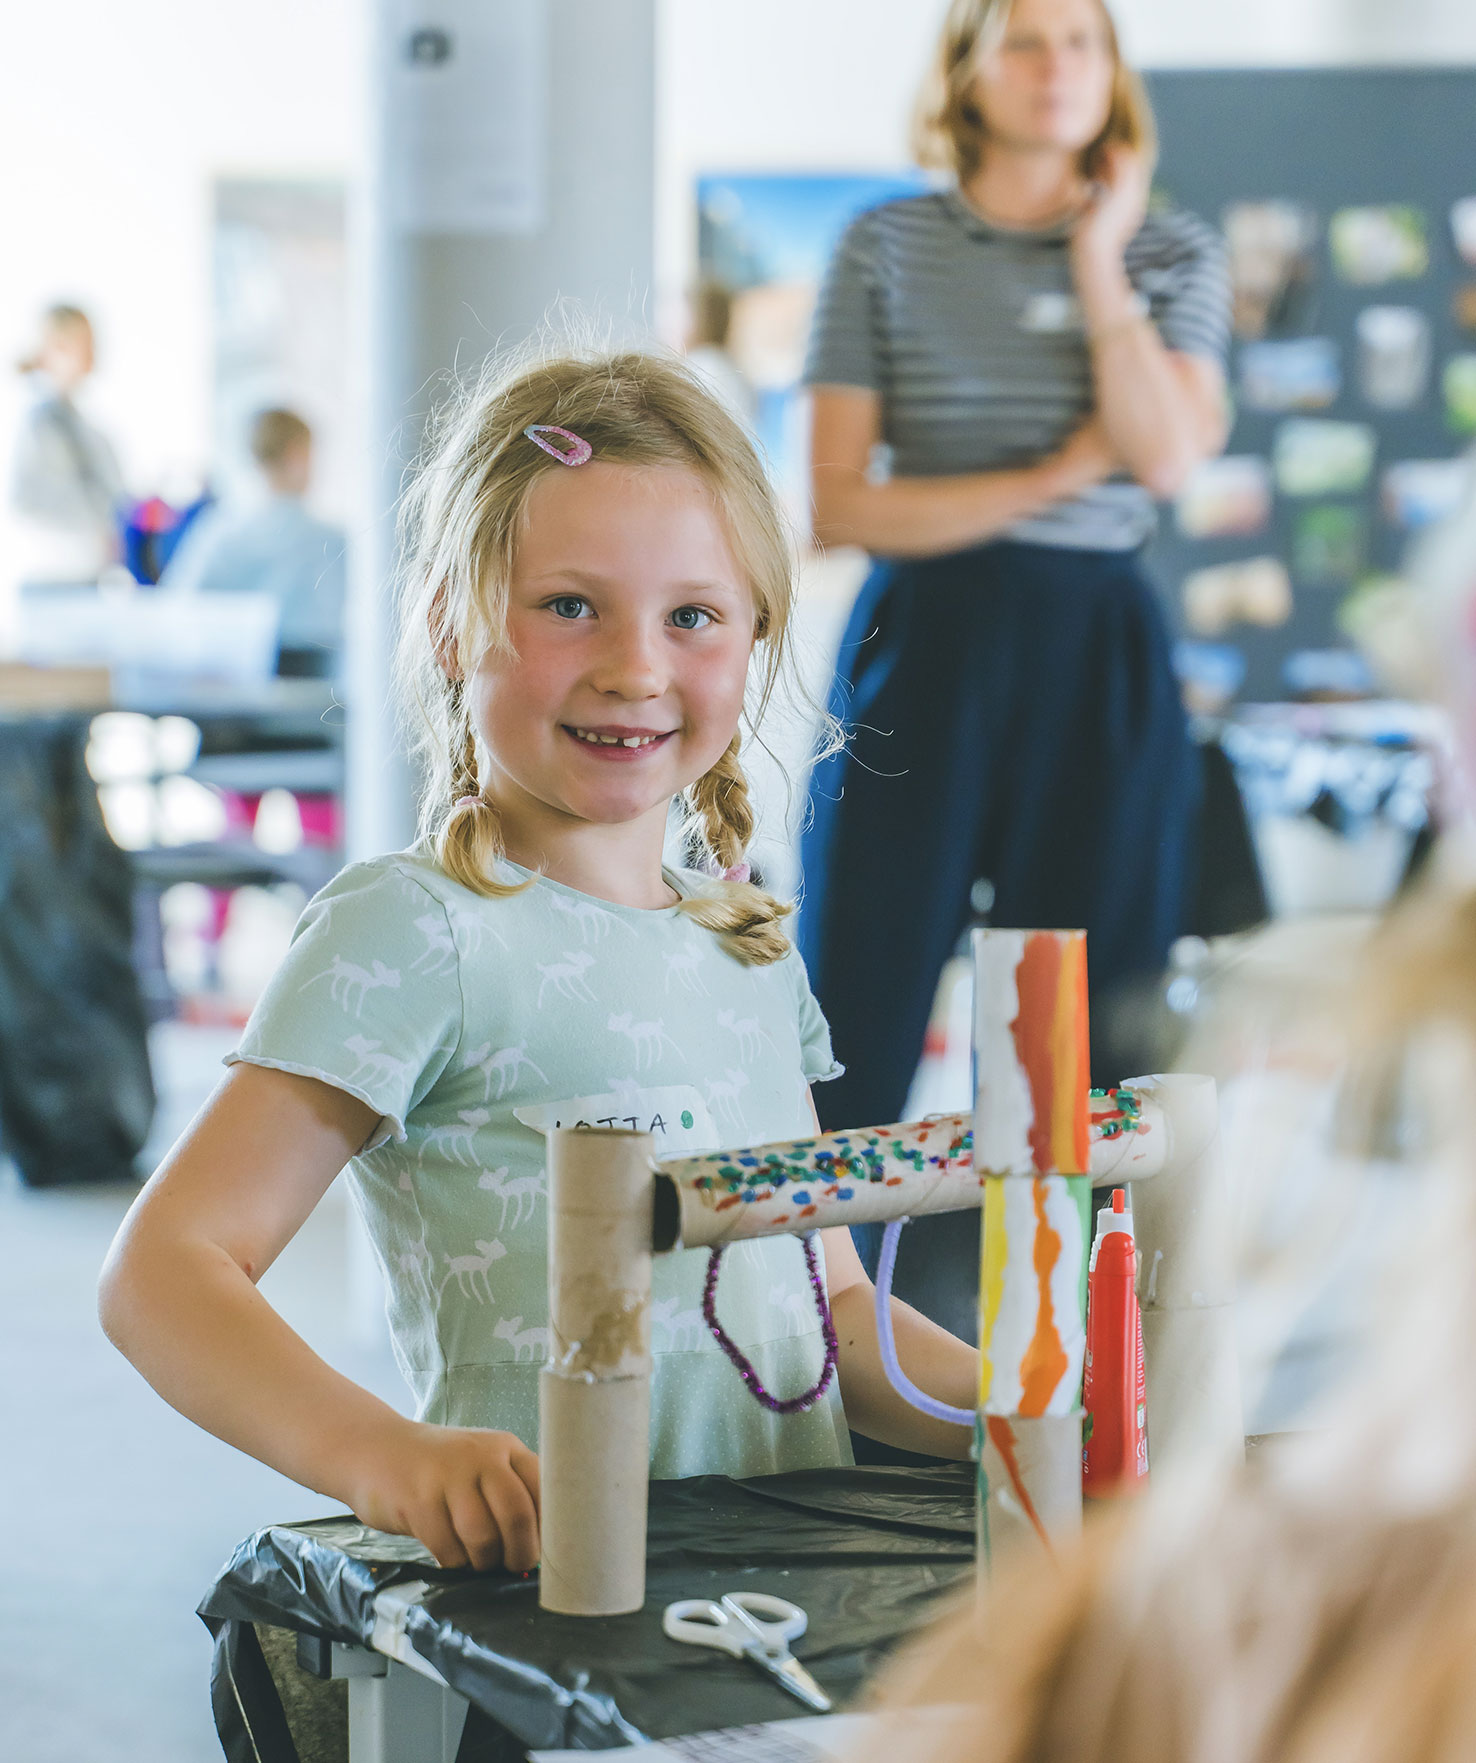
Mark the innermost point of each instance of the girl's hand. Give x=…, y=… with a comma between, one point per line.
x=471, y=1496
x=1120, y=204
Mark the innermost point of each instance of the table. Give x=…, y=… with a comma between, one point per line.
x=451, y=1665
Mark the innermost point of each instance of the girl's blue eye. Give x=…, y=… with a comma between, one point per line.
x=690, y=618
x=566, y=606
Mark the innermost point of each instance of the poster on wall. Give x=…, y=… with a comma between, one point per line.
x=467, y=116
x=764, y=242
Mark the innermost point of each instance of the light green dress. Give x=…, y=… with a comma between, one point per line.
x=470, y=1024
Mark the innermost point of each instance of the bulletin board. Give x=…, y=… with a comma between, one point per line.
x=1348, y=197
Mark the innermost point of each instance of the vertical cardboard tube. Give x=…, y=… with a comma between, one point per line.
x=595, y=1391
x=1186, y=1282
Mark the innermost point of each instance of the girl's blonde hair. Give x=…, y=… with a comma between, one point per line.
x=460, y=524
x=948, y=129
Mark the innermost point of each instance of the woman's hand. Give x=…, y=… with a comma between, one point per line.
x=1087, y=458
x=470, y=1496
x=1119, y=205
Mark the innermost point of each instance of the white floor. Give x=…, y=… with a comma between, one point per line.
x=115, y=1513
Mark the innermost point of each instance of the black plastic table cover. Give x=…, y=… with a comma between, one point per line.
x=868, y=1553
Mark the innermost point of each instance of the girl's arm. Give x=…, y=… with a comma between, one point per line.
x=178, y=1297
x=937, y=1362
x=929, y=516
x=1163, y=411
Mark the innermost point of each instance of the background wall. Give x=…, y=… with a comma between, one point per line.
x=114, y=122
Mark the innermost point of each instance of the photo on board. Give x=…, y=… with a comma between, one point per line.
x=1463, y=228
x=1393, y=356
x=1459, y=385
x=1329, y=542
x=1300, y=373
x=1273, y=266
x=1415, y=493
x=1314, y=458
x=1226, y=497
x=1373, y=245
x=1254, y=590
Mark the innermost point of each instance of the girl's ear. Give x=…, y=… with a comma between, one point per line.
x=441, y=638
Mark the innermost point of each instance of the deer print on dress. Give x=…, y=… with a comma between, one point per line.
x=349, y=984
x=567, y=976
x=374, y=1065
x=505, y=1065
x=649, y=1039
x=455, y=1140
x=513, y=1191
x=798, y=1307
x=723, y=1093
x=681, y=1328
x=511, y=1330
x=439, y=954
x=468, y=933
x=594, y=921
x=466, y=1270
x=682, y=965
x=752, y=1036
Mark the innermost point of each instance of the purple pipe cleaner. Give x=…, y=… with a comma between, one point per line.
x=896, y=1376
x=795, y=1404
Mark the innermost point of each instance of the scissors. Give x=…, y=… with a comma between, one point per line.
x=752, y=1626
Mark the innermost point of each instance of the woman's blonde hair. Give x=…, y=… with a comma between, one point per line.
x=460, y=523
x=949, y=131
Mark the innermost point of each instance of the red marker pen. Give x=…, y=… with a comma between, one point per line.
x=1115, y=1453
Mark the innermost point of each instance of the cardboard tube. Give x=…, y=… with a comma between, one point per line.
x=1029, y=1483
x=595, y=1391
x=860, y=1176
x=594, y=1451
x=1186, y=1281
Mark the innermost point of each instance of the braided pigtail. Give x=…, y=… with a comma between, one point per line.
x=470, y=839
x=745, y=919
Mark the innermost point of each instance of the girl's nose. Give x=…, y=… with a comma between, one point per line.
x=630, y=661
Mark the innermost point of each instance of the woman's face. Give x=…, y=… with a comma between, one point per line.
x=1046, y=82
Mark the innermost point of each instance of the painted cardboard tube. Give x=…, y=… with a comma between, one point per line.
x=1130, y=1155
x=595, y=1392
x=1029, y=1483
x=861, y=1176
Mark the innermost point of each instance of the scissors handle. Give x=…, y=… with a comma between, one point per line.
x=743, y=1622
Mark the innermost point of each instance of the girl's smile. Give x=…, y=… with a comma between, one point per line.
x=630, y=628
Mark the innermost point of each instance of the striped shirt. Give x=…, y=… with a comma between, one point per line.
x=973, y=336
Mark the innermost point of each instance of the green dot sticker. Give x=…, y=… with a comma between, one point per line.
x=686, y=1117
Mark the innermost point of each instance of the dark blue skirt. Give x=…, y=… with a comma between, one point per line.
x=1014, y=717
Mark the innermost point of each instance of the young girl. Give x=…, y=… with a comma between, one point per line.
x=596, y=575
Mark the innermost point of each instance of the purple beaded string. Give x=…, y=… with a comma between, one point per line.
x=795, y=1404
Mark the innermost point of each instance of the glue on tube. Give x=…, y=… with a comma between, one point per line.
x=1115, y=1452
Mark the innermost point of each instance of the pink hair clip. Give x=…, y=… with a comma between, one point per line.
x=577, y=452
x=740, y=872
x=468, y=801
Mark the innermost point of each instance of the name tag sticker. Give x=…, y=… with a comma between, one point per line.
x=1052, y=312
x=674, y=1114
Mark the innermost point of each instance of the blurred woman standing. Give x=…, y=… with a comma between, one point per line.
x=65, y=483
x=1040, y=357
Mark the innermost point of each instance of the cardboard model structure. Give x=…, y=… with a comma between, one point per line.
x=1036, y=1144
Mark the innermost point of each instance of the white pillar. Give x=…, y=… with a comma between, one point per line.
x=524, y=133
x=509, y=166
